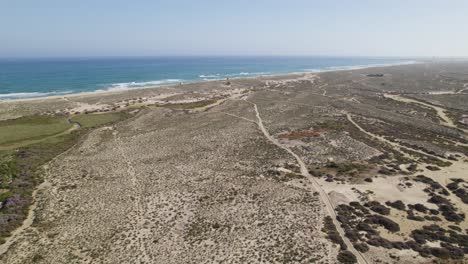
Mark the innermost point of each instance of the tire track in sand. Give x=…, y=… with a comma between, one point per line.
x=323, y=195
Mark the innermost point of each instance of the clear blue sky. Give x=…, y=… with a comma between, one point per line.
x=234, y=27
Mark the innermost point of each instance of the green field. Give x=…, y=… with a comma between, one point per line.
x=32, y=127
x=95, y=120
x=25, y=145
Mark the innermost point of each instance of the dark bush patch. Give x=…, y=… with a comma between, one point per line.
x=398, y=204
x=346, y=257
x=380, y=242
x=381, y=209
x=454, y=227
x=442, y=253
x=386, y=171
x=462, y=194
x=383, y=221
x=420, y=208
x=458, y=190
x=361, y=247
x=432, y=168
x=367, y=228
x=432, y=218
x=412, y=216
x=434, y=211
x=437, y=199
x=433, y=185
x=332, y=233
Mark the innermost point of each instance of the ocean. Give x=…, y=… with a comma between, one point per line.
x=28, y=78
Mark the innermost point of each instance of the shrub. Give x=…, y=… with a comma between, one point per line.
x=432, y=168
x=413, y=217
x=367, y=228
x=398, y=204
x=330, y=229
x=383, y=221
x=381, y=209
x=434, y=186
x=461, y=193
x=434, y=211
x=361, y=247
x=346, y=257
x=454, y=227
x=437, y=199
x=420, y=208
x=442, y=253
x=380, y=242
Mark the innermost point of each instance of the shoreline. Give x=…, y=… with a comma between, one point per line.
x=116, y=91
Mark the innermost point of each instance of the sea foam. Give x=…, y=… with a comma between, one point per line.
x=130, y=85
x=8, y=96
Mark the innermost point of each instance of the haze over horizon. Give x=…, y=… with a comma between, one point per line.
x=52, y=28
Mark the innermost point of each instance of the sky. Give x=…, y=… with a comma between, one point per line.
x=61, y=28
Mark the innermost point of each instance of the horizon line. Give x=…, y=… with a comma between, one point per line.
x=229, y=55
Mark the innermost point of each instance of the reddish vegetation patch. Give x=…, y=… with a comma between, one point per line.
x=303, y=134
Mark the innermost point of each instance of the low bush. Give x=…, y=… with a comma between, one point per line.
x=332, y=233
x=346, y=257
x=361, y=247
x=383, y=221
x=398, y=204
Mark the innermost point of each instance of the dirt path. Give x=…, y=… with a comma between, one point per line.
x=32, y=208
x=324, y=90
x=137, y=215
x=305, y=172
x=396, y=146
x=26, y=223
x=441, y=112
x=456, y=170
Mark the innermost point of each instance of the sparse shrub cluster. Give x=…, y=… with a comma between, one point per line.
x=448, y=210
x=434, y=187
x=453, y=244
x=361, y=247
x=345, y=167
x=332, y=233
x=387, y=223
x=346, y=257
x=398, y=204
x=459, y=191
x=378, y=208
x=419, y=207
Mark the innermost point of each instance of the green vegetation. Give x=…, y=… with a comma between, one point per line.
x=95, y=120
x=32, y=127
x=37, y=140
x=346, y=167
x=330, y=125
x=19, y=175
x=191, y=105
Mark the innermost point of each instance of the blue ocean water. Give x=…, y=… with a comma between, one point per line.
x=26, y=78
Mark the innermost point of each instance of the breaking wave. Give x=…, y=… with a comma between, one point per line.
x=358, y=67
x=8, y=96
x=130, y=85
x=217, y=76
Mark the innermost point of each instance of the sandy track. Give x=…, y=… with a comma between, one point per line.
x=323, y=195
x=441, y=112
